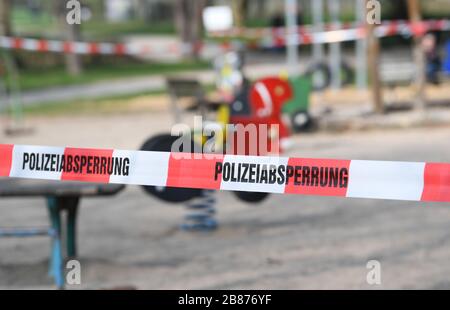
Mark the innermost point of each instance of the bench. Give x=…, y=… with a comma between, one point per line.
x=189, y=88
x=62, y=197
x=393, y=75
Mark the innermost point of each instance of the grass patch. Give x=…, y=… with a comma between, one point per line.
x=44, y=24
x=101, y=30
x=25, y=22
x=87, y=106
x=31, y=79
x=104, y=105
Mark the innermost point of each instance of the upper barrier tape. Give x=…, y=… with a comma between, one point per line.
x=267, y=38
x=413, y=181
x=390, y=26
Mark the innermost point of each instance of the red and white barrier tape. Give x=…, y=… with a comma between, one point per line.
x=93, y=48
x=267, y=37
x=394, y=27
x=414, y=181
x=278, y=37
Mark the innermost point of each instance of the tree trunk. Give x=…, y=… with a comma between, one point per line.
x=73, y=61
x=5, y=18
x=188, y=17
x=419, y=55
x=71, y=33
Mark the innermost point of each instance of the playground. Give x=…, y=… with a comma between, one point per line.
x=322, y=144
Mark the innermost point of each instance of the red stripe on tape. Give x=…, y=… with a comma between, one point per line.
x=193, y=172
x=17, y=43
x=6, y=152
x=325, y=177
x=436, y=182
x=93, y=48
x=68, y=47
x=42, y=46
x=418, y=28
x=88, y=160
x=119, y=49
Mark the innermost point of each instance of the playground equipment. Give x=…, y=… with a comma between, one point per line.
x=62, y=199
x=261, y=103
x=257, y=104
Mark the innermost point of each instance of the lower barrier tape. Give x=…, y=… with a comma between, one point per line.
x=413, y=181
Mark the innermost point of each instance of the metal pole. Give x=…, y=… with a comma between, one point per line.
x=335, y=56
x=317, y=18
x=361, y=47
x=290, y=10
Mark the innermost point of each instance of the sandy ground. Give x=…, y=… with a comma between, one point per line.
x=287, y=242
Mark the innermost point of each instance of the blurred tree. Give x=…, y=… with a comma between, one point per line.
x=5, y=17
x=71, y=33
x=188, y=22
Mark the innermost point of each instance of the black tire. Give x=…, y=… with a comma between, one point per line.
x=301, y=121
x=347, y=75
x=325, y=74
x=163, y=143
x=251, y=197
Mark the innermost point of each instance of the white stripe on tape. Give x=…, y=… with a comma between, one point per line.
x=235, y=160
x=385, y=180
x=146, y=168
x=35, y=161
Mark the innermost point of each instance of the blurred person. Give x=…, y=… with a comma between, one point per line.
x=433, y=61
x=446, y=65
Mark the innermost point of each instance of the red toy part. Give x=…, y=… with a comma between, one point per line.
x=268, y=95
x=266, y=99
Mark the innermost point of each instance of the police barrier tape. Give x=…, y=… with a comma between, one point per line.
x=387, y=27
x=95, y=48
x=279, y=37
x=414, y=181
x=268, y=37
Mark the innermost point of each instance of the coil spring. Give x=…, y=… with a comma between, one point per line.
x=201, y=213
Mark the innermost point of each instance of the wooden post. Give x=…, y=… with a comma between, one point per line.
x=374, y=69
x=419, y=55
x=236, y=7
